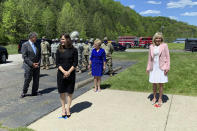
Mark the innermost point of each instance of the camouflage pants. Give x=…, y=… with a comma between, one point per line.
x=80, y=66
x=109, y=65
x=86, y=61
x=53, y=55
x=45, y=60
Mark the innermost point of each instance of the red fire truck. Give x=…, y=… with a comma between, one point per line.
x=133, y=41
x=127, y=41
x=145, y=42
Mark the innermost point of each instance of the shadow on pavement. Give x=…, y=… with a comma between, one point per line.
x=52, y=67
x=43, y=75
x=105, y=86
x=107, y=73
x=48, y=90
x=9, y=62
x=80, y=106
x=164, y=97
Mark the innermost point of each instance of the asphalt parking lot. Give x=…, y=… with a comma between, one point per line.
x=16, y=112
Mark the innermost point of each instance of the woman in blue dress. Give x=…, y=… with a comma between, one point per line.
x=97, y=62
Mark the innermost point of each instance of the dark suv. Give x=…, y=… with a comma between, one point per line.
x=191, y=44
x=3, y=54
x=37, y=42
x=118, y=47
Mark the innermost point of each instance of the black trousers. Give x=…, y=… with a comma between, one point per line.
x=29, y=74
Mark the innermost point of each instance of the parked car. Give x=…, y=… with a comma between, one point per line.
x=191, y=44
x=179, y=40
x=118, y=47
x=3, y=54
x=38, y=42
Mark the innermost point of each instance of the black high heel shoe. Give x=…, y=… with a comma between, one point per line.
x=63, y=116
x=68, y=116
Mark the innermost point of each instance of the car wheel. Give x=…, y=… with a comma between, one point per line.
x=127, y=46
x=193, y=49
x=147, y=46
x=3, y=58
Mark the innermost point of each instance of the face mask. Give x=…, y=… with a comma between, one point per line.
x=105, y=41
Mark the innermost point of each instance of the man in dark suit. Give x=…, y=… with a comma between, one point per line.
x=31, y=55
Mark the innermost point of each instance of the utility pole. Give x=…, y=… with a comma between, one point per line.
x=162, y=28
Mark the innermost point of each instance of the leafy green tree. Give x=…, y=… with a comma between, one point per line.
x=9, y=20
x=48, y=23
x=98, y=25
x=95, y=18
x=65, y=22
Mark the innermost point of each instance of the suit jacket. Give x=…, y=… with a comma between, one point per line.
x=164, y=57
x=29, y=56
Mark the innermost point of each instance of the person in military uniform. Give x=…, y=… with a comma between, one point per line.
x=86, y=52
x=57, y=42
x=91, y=45
x=80, y=54
x=108, y=47
x=75, y=40
x=75, y=44
x=53, y=51
x=45, y=51
x=54, y=47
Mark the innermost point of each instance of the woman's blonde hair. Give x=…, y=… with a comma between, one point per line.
x=98, y=42
x=158, y=35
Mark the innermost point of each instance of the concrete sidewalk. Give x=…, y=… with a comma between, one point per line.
x=113, y=110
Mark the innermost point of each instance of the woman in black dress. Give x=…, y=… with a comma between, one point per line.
x=67, y=60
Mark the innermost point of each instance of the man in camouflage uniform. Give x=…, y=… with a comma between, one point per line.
x=53, y=51
x=91, y=45
x=45, y=47
x=75, y=44
x=80, y=54
x=86, y=52
x=54, y=47
x=108, y=50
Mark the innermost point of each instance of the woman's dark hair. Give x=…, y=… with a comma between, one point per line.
x=68, y=43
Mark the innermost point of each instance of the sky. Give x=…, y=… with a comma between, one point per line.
x=180, y=10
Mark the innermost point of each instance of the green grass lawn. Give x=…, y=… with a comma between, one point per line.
x=176, y=46
x=12, y=49
x=172, y=46
x=21, y=129
x=15, y=129
x=182, y=75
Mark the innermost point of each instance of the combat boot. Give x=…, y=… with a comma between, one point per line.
x=47, y=67
x=43, y=67
x=89, y=73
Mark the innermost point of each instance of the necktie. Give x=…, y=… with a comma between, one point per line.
x=34, y=48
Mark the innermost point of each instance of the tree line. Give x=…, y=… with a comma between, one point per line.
x=92, y=18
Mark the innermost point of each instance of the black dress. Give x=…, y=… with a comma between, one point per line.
x=66, y=59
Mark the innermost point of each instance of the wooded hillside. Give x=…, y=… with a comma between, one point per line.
x=92, y=18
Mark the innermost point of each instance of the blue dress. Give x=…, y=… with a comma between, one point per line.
x=97, y=58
